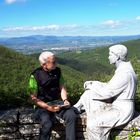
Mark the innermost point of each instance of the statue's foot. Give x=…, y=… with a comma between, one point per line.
x=78, y=107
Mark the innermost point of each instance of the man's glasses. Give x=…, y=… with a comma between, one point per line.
x=51, y=62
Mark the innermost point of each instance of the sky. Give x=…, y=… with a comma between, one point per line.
x=69, y=17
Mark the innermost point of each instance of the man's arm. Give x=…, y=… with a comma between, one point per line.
x=33, y=89
x=63, y=93
x=64, y=96
x=44, y=105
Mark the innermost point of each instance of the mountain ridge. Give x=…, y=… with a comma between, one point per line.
x=38, y=42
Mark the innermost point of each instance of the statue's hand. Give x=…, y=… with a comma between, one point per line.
x=88, y=85
x=91, y=84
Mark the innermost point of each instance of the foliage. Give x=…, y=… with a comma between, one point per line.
x=94, y=63
x=15, y=69
x=133, y=134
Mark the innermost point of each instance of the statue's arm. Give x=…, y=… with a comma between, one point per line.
x=114, y=87
x=91, y=84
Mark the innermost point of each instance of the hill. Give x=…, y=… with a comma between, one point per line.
x=35, y=43
x=94, y=63
x=15, y=69
x=96, y=60
x=76, y=67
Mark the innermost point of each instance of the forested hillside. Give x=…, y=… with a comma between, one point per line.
x=96, y=60
x=15, y=69
x=94, y=63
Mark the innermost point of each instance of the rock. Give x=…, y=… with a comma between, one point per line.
x=20, y=124
x=7, y=117
x=27, y=116
x=123, y=132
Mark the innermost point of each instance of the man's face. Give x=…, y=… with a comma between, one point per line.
x=112, y=57
x=50, y=64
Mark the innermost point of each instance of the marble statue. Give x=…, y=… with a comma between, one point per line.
x=110, y=104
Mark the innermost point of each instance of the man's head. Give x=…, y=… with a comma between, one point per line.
x=117, y=52
x=47, y=60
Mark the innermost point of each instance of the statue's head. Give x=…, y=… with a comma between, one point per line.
x=116, y=53
x=47, y=60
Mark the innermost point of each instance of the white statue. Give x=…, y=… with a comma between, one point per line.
x=101, y=115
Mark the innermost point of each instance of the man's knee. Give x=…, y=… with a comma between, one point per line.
x=46, y=121
x=46, y=126
x=70, y=115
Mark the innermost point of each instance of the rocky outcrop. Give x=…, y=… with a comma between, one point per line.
x=20, y=124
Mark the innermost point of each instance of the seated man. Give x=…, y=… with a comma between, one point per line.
x=101, y=115
x=46, y=87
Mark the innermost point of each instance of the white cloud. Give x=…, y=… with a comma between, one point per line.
x=111, y=23
x=52, y=27
x=13, y=1
x=138, y=18
x=39, y=28
x=10, y=1
x=109, y=27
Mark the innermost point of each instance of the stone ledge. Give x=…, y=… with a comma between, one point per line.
x=20, y=124
x=123, y=131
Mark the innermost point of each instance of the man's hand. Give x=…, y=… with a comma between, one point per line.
x=33, y=97
x=67, y=103
x=44, y=105
x=53, y=108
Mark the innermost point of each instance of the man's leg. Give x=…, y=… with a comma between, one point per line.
x=70, y=119
x=45, y=119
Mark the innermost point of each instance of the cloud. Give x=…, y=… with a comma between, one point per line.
x=10, y=1
x=52, y=27
x=138, y=18
x=13, y=1
x=31, y=28
x=106, y=28
x=111, y=23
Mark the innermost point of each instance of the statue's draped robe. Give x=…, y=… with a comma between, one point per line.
x=103, y=116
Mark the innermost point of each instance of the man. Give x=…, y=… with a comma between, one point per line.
x=46, y=85
x=101, y=115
